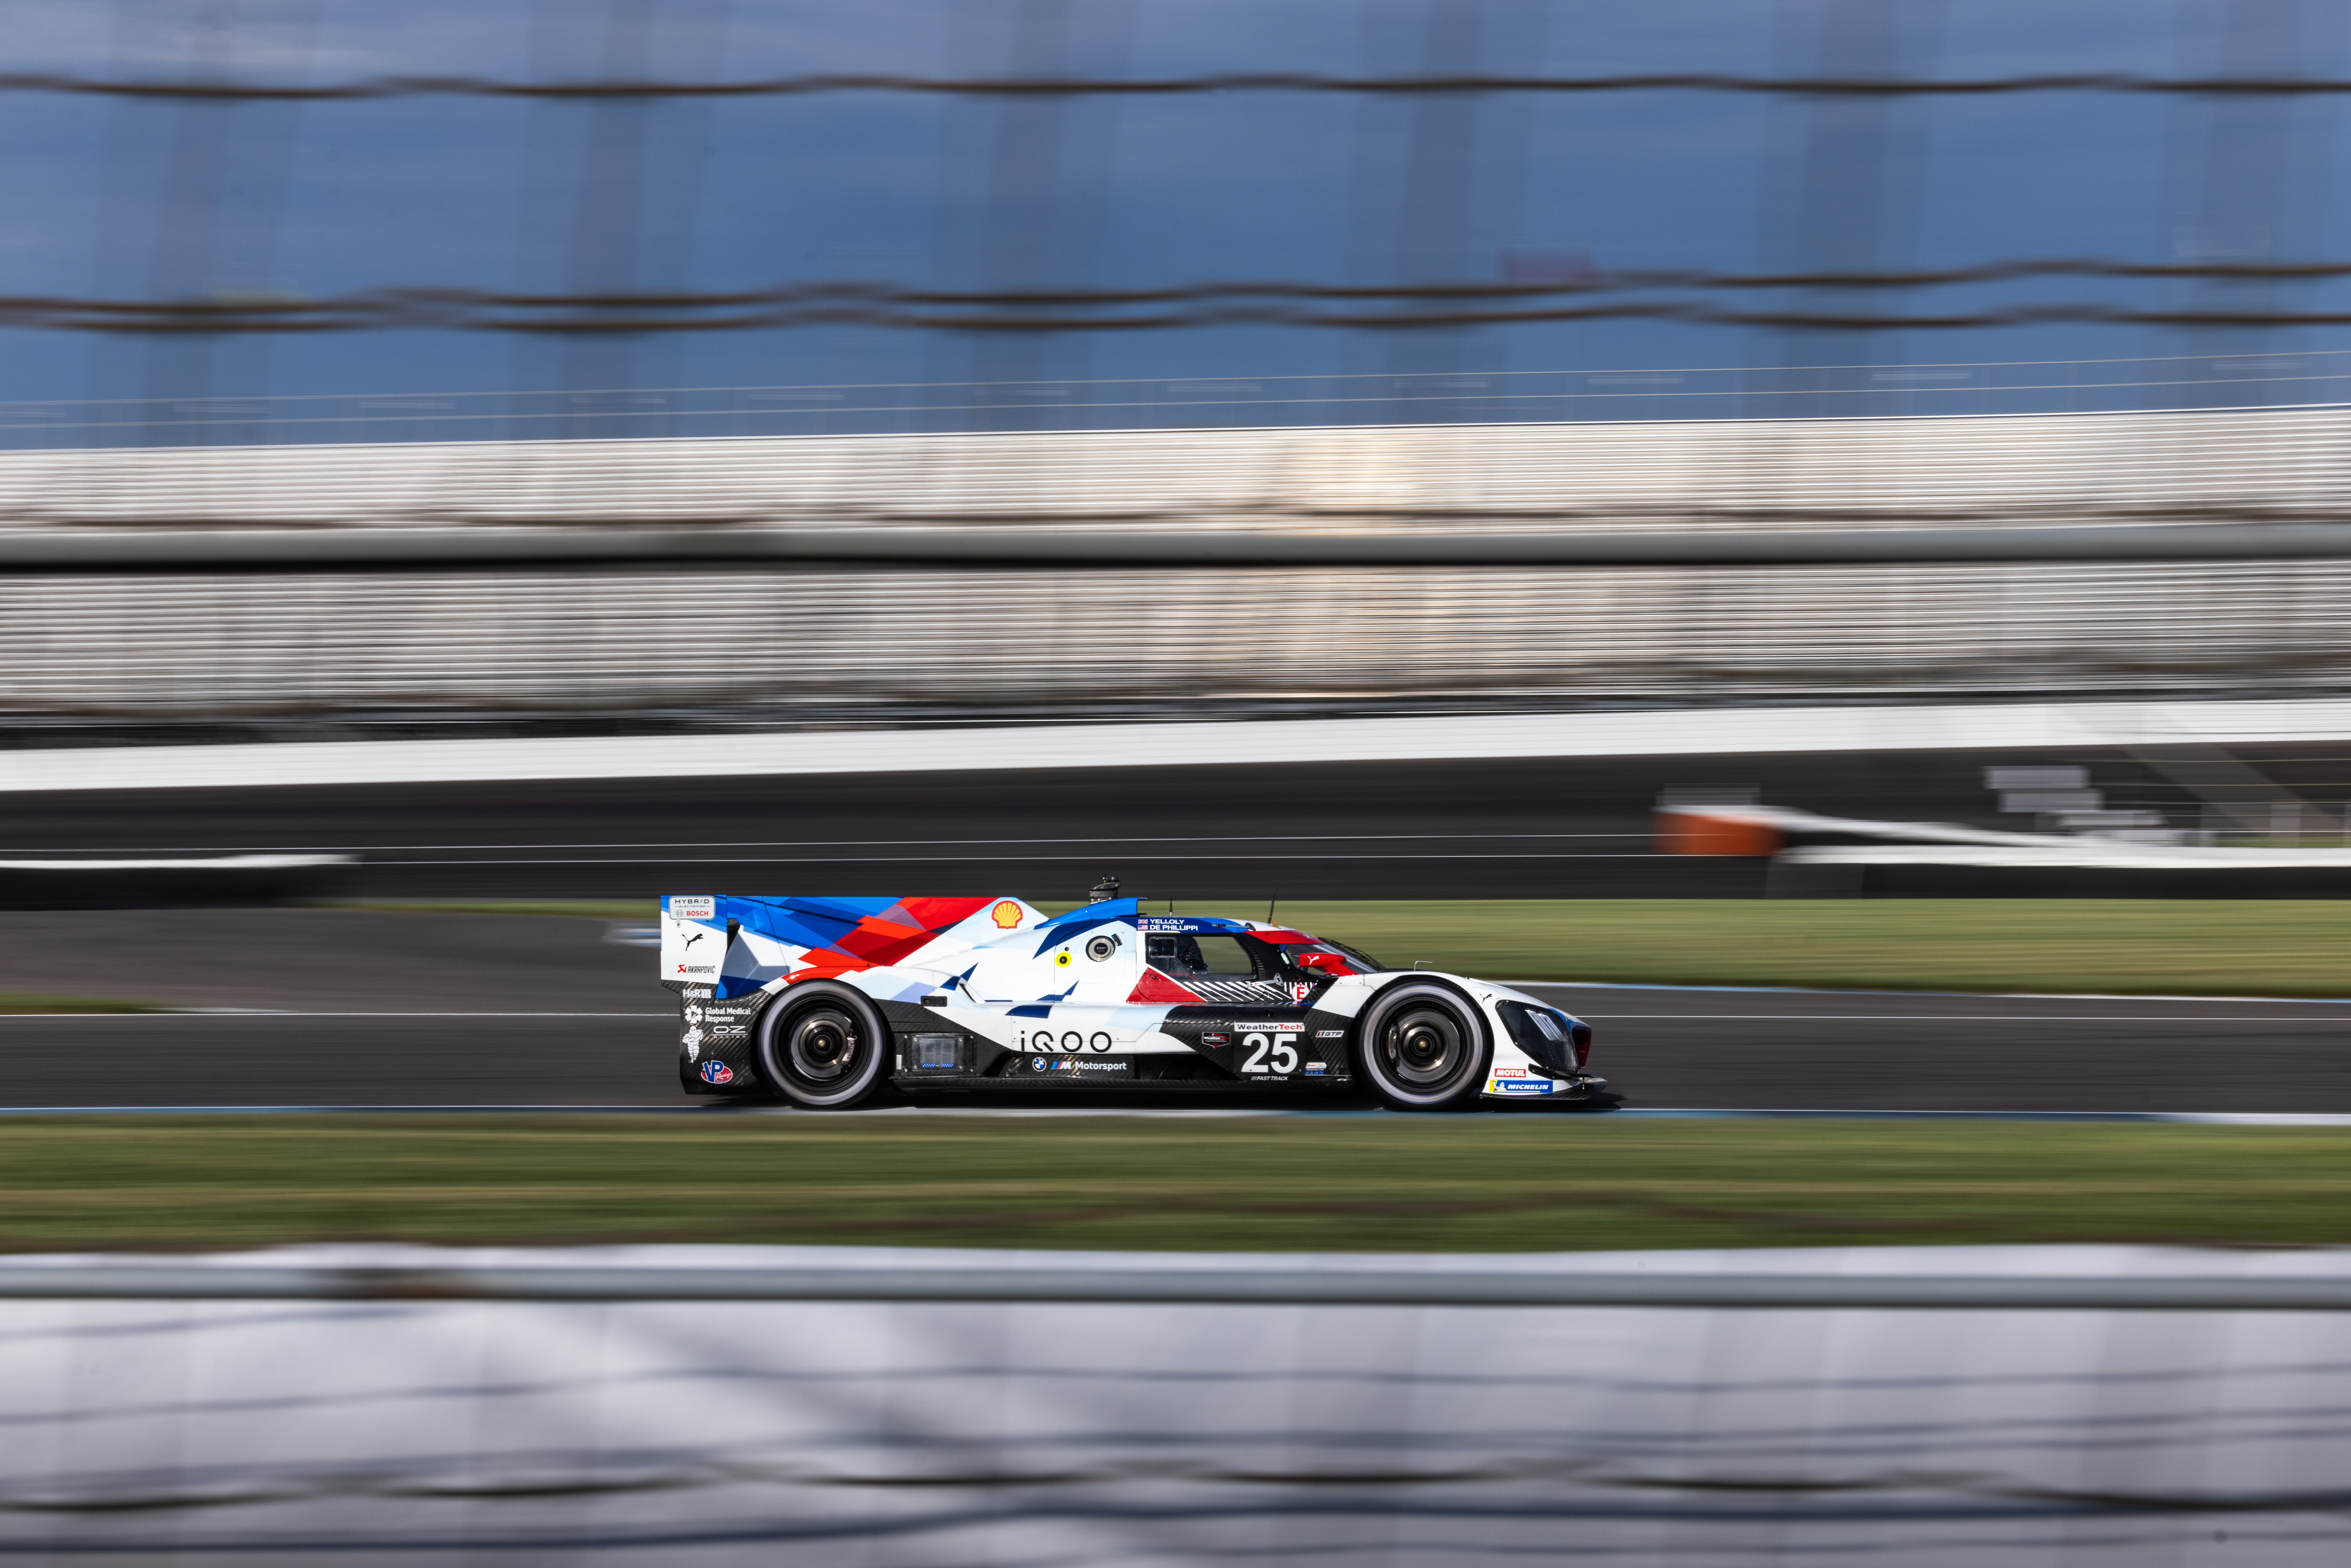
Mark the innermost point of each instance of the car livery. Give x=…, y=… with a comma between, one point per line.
x=819, y=1000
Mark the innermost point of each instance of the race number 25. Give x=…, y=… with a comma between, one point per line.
x=1267, y=1056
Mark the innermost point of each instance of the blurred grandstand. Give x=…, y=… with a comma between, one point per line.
x=785, y=579
x=626, y=367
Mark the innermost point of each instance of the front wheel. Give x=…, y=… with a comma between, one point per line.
x=820, y=1045
x=1423, y=1049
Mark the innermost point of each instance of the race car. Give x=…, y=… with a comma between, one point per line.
x=820, y=1000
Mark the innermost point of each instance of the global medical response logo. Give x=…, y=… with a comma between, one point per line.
x=1006, y=914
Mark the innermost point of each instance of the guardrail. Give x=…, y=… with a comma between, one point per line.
x=970, y=1282
x=727, y=1406
x=732, y=1405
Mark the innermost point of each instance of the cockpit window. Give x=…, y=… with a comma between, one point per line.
x=1222, y=956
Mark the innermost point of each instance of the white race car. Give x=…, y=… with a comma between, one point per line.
x=818, y=1000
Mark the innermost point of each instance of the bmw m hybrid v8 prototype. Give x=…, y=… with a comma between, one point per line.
x=818, y=1000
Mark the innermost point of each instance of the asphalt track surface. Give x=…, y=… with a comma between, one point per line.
x=350, y=1007
x=1289, y=827
x=370, y=1008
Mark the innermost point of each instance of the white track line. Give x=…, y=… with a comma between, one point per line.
x=1565, y=1113
x=1990, y=727
x=1985, y=1018
x=667, y=845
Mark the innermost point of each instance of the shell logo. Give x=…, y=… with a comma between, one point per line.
x=1006, y=914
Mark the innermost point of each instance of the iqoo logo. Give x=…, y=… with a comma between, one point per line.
x=1067, y=1040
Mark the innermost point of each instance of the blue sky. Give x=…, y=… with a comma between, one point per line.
x=118, y=199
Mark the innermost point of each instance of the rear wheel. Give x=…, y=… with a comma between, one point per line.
x=820, y=1045
x=1424, y=1048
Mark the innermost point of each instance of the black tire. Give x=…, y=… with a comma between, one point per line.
x=822, y=1046
x=1422, y=1047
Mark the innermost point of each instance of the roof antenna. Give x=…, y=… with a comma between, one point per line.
x=1269, y=912
x=1103, y=891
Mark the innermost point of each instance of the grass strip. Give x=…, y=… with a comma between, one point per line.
x=1502, y=1183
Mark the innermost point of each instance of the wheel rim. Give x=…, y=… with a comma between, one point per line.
x=1424, y=1048
x=823, y=1046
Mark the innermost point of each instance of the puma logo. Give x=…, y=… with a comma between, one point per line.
x=695, y=937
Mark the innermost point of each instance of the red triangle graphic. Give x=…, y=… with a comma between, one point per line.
x=1155, y=987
